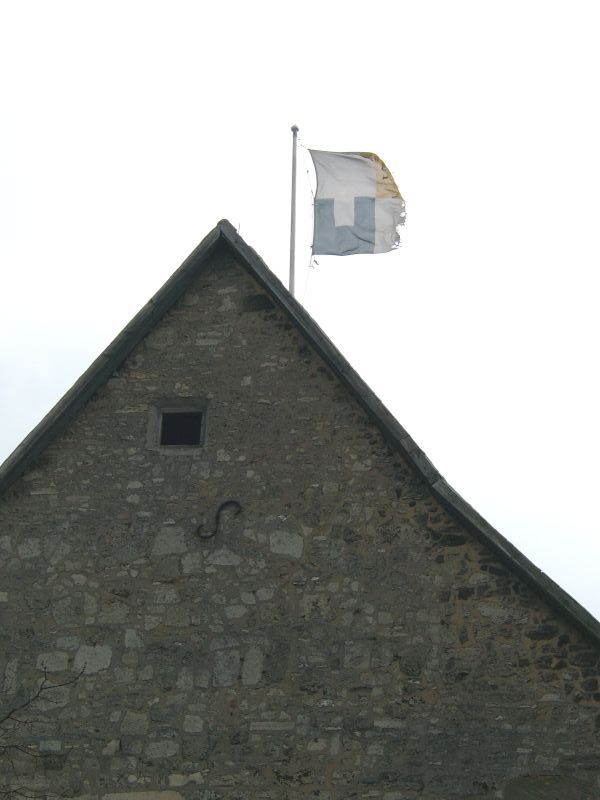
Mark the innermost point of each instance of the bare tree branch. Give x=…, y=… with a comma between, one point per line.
x=12, y=723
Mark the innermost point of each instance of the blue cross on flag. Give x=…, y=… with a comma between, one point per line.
x=358, y=207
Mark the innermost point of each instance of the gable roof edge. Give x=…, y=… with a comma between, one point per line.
x=519, y=563
x=448, y=497
x=100, y=370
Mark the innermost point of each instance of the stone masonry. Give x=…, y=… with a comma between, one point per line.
x=339, y=637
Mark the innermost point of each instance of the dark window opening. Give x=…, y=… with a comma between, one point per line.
x=181, y=428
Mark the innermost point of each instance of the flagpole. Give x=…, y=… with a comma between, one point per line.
x=293, y=220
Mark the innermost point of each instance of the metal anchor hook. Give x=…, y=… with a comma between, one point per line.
x=227, y=505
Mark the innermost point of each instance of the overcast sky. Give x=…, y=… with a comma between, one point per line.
x=129, y=128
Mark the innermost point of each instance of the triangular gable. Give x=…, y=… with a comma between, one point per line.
x=224, y=235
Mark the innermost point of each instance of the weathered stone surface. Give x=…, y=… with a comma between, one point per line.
x=133, y=639
x=357, y=655
x=227, y=666
x=193, y=724
x=168, y=541
x=339, y=637
x=29, y=548
x=192, y=562
x=92, y=658
x=286, y=543
x=224, y=557
x=135, y=722
x=252, y=669
x=53, y=662
x=177, y=779
x=166, y=795
x=162, y=749
x=275, y=726
x=545, y=787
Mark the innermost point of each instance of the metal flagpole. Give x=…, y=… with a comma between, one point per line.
x=293, y=220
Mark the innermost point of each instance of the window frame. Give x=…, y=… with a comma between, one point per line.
x=176, y=405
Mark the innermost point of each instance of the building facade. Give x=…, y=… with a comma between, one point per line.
x=246, y=581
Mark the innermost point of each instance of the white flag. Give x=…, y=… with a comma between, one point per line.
x=358, y=207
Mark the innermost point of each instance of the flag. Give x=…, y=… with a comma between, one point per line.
x=357, y=205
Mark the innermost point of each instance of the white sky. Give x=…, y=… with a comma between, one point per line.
x=128, y=129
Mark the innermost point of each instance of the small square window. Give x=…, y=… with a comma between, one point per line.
x=177, y=425
x=182, y=428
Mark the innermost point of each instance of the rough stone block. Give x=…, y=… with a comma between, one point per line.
x=135, y=723
x=224, y=557
x=286, y=543
x=253, y=665
x=193, y=724
x=227, y=667
x=169, y=541
x=92, y=658
x=53, y=662
x=162, y=749
x=133, y=639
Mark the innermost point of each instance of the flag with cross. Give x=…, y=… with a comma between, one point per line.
x=358, y=207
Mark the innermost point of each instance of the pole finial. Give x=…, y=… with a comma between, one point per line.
x=295, y=129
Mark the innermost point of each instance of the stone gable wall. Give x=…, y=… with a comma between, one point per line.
x=340, y=637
